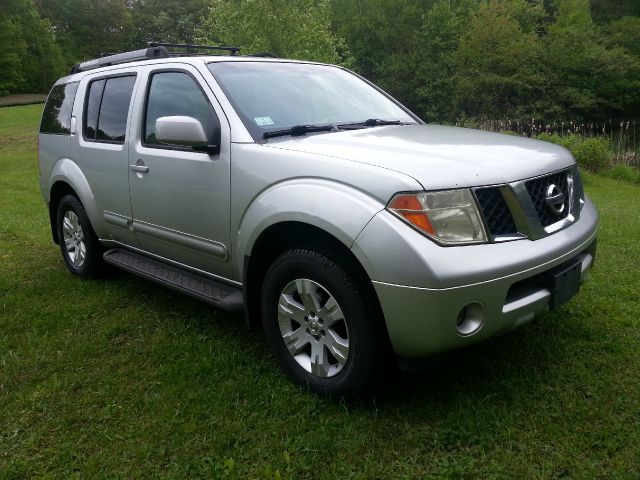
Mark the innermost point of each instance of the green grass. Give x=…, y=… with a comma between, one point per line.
x=122, y=378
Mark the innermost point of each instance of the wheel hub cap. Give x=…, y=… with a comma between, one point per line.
x=313, y=327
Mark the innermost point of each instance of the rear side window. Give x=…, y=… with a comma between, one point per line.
x=56, y=118
x=94, y=98
x=106, y=109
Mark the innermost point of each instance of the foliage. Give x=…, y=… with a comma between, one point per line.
x=604, y=11
x=573, y=13
x=86, y=29
x=592, y=153
x=437, y=62
x=624, y=33
x=585, y=79
x=289, y=28
x=623, y=172
x=445, y=59
x=382, y=52
x=175, y=21
x=497, y=63
x=10, y=58
x=30, y=60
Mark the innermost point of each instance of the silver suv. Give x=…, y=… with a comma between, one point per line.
x=310, y=199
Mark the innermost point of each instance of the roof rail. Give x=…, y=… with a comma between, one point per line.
x=191, y=49
x=135, y=55
x=155, y=50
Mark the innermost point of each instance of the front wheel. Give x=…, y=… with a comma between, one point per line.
x=322, y=323
x=81, y=250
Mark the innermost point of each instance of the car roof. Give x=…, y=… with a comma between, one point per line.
x=187, y=59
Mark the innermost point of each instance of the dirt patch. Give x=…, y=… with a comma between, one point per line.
x=22, y=99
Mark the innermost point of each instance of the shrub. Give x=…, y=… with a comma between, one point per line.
x=592, y=153
x=624, y=172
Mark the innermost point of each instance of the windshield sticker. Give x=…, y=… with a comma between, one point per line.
x=262, y=121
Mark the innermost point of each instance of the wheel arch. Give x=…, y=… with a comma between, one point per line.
x=67, y=179
x=58, y=190
x=281, y=237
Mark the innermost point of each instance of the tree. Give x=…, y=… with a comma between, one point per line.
x=604, y=11
x=288, y=28
x=624, y=33
x=574, y=13
x=586, y=79
x=12, y=50
x=384, y=39
x=86, y=29
x=173, y=21
x=442, y=29
x=30, y=60
x=498, y=72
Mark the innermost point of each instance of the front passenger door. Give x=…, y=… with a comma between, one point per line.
x=180, y=197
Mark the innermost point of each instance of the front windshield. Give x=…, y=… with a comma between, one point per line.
x=271, y=96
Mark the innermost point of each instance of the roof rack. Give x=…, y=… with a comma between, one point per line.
x=191, y=49
x=135, y=55
x=154, y=50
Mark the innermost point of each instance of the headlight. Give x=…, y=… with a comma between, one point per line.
x=449, y=217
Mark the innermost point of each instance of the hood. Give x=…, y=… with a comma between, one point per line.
x=437, y=156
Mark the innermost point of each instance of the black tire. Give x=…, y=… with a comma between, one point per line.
x=90, y=264
x=363, y=323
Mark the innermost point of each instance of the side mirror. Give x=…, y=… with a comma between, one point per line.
x=184, y=131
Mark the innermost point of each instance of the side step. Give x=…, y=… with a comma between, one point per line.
x=222, y=296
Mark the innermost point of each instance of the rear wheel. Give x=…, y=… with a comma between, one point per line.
x=79, y=244
x=322, y=323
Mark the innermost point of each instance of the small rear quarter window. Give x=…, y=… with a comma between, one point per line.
x=56, y=118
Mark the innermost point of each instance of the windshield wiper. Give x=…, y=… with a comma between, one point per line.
x=372, y=122
x=299, y=130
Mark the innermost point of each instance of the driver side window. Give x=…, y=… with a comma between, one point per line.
x=175, y=94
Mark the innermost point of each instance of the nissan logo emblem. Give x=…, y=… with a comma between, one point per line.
x=555, y=199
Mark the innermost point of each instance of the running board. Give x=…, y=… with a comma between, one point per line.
x=222, y=296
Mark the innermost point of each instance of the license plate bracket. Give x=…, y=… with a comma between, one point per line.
x=564, y=282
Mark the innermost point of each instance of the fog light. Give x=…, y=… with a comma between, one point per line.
x=470, y=319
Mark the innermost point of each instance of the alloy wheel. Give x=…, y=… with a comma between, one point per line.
x=73, y=237
x=313, y=327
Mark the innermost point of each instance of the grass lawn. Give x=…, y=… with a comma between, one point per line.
x=123, y=378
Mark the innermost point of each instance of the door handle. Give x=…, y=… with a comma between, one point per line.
x=139, y=168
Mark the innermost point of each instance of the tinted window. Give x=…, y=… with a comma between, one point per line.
x=112, y=121
x=93, y=107
x=56, y=117
x=174, y=93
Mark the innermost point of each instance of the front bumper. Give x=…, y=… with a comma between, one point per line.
x=424, y=289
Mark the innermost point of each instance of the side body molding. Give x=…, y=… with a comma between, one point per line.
x=66, y=170
x=336, y=208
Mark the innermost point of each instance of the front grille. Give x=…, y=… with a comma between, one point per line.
x=496, y=212
x=537, y=189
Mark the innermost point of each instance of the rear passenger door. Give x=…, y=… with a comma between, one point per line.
x=100, y=147
x=180, y=197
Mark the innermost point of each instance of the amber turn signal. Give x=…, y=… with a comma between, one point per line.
x=412, y=210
